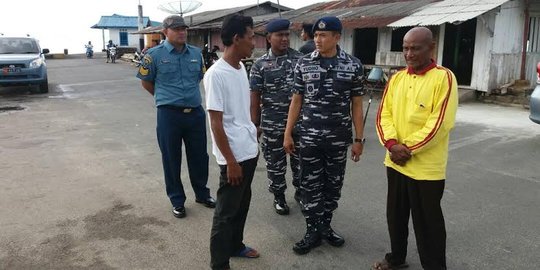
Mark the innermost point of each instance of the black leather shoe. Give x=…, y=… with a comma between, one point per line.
x=333, y=238
x=179, y=212
x=208, y=202
x=281, y=205
x=310, y=240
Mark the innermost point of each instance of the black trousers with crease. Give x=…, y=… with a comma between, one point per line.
x=422, y=198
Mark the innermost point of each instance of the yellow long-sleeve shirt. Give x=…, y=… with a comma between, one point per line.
x=419, y=110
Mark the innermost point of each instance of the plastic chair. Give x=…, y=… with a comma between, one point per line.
x=375, y=75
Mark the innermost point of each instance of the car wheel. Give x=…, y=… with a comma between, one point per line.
x=44, y=87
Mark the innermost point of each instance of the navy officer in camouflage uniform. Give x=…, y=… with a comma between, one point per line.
x=272, y=80
x=328, y=89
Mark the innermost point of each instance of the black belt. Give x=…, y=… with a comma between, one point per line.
x=178, y=108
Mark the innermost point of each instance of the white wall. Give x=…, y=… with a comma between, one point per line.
x=483, y=47
x=295, y=41
x=508, y=31
x=505, y=62
x=384, y=56
x=347, y=40
x=133, y=40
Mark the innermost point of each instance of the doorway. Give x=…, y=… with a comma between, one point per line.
x=458, y=52
x=365, y=44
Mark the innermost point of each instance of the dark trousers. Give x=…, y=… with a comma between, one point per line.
x=175, y=125
x=230, y=215
x=276, y=162
x=423, y=200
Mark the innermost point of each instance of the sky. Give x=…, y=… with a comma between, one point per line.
x=62, y=24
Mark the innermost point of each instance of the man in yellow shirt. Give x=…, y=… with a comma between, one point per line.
x=413, y=123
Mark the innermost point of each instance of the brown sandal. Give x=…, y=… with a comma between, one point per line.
x=386, y=265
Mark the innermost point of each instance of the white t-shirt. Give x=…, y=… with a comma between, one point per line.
x=227, y=91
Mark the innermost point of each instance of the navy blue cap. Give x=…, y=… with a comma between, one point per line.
x=327, y=24
x=276, y=25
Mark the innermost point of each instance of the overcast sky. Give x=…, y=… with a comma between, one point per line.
x=60, y=24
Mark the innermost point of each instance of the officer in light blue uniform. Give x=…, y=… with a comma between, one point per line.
x=328, y=88
x=271, y=81
x=171, y=72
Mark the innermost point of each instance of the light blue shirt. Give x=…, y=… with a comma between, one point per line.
x=176, y=74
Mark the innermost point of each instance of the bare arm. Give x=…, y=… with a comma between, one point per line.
x=294, y=112
x=358, y=121
x=234, y=171
x=255, y=110
x=148, y=86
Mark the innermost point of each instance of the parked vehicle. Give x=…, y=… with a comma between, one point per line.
x=535, y=99
x=22, y=62
x=138, y=57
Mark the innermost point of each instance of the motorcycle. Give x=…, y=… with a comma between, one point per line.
x=112, y=54
x=89, y=50
x=138, y=57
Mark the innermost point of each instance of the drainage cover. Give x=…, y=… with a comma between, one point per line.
x=11, y=108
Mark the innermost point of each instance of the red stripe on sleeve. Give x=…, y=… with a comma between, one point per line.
x=441, y=115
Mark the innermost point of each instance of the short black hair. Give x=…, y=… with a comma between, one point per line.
x=235, y=24
x=308, y=29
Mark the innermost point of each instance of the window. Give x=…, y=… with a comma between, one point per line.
x=123, y=37
x=397, y=38
x=533, y=43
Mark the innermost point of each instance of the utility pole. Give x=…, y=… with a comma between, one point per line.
x=140, y=27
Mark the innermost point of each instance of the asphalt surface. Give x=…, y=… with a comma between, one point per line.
x=81, y=187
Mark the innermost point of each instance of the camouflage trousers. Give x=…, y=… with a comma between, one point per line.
x=322, y=164
x=276, y=162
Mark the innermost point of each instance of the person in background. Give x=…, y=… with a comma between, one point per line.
x=171, y=72
x=89, y=49
x=307, y=36
x=272, y=80
x=328, y=89
x=416, y=114
x=234, y=141
x=108, y=47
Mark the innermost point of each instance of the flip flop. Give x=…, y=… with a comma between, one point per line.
x=247, y=252
x=385, y=265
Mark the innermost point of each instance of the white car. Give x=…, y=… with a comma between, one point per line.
x=535, y=99
x=22, y=62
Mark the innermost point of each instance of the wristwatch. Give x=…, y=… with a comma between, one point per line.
x=362, y=141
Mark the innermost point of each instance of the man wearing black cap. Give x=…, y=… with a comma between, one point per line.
x=271, y=83
x=328, y=88
x=171, y=72
x=307, y=36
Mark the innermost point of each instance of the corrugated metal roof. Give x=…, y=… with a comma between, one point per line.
x=119, y=21
x=218, y=15
x=448, y=11
x=353, y=14
x=355, y=3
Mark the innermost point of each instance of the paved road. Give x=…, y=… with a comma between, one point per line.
x=81, y=188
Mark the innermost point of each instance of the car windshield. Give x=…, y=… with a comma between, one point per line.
x=18, y=46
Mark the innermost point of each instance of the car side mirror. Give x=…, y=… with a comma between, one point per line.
x=45, y=51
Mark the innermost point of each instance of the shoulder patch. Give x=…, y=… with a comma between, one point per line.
x=147, y=59
x=143, y=71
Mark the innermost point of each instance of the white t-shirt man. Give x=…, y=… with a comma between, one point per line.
x=227, y=91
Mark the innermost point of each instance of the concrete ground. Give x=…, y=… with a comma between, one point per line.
x=81, y=187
